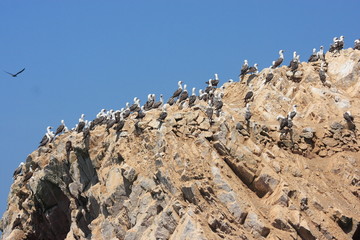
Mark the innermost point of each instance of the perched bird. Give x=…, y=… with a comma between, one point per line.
x=340, y=43
x=294, y=63
x=203, y=95
x=141, y=114
x=110, y=124
x=322, y=73
x=289, y=122
x=184, y=94
x=49, y=132
x=192, y=98
x=320, y=54
x=47, y=137
x=244, y=68
x=247, y=113
x=136, y=105
x=209, y=111
x=218, y=104
x=357, y=44
x=279, y=60
x=126, y=113
x=68, y=147
x=171, y=101
x=162, y=116
x=18, y=170
x=283, y=121
x=44, y=140
x=15, y=75
x=337, y=45
x=269, y=76
x=333, y=45
x=293, y=113
x=86, y=133
x=215, y=81
x=349, y=120
x=61, y=128
x=314, y=56
x=253, y=69
x=209, y=88
x=248, y=95
x=102, y=113
x=178, y=91
x=160, y=103
x=348, y=117
x=150, y=102
x=81, y=124
x=293, y=58
x=28, y=175
x=119, y=126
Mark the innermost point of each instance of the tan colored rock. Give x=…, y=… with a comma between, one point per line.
x=323, y=153
x=331, y=142
x=253, y=222
x=303, y=146
x=265, y=183
x=190, y=179
x=279, y=216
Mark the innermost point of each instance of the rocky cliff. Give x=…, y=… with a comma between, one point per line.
x=193, y=179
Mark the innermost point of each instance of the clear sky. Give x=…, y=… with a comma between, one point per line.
x=82, y=56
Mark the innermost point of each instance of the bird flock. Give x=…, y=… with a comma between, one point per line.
x=211, y=95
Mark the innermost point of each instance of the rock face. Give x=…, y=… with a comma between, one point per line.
x=192, y=179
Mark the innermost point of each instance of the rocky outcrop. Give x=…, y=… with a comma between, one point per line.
x=193, y=179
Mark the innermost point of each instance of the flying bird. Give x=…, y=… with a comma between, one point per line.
x=15, y=75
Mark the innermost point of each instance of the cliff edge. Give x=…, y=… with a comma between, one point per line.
x=196, y=179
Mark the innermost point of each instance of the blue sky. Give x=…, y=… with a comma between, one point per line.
x=82, y=56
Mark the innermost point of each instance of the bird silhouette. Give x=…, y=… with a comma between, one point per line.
x=15, y=75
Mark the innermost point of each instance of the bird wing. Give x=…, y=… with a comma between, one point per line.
x=59, y=129
x=9, y=73
x=20, y=71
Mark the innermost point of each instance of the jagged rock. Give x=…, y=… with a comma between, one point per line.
x=154, y=123
x=323, y=153
x=242, y=171
x=253, y=222
x=221, y=148
x=330, y=142
x=191, y=117
x=279, y=216
x=167, y=224
x=303, y=146
x=345, y=222
x=244, y=133
x=266, y=182
x=128, y=173
x=228, y=197
x=304, y=231
x=336, y=126
x=188, y=228
x=190, y=178
x=205, y=125
x=307, y=133
x=191, y=193
x=289, y=74
x=165, y=180
x=298, y=74
x=178, y=116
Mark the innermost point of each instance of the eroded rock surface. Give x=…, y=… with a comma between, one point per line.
x=192, y=179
